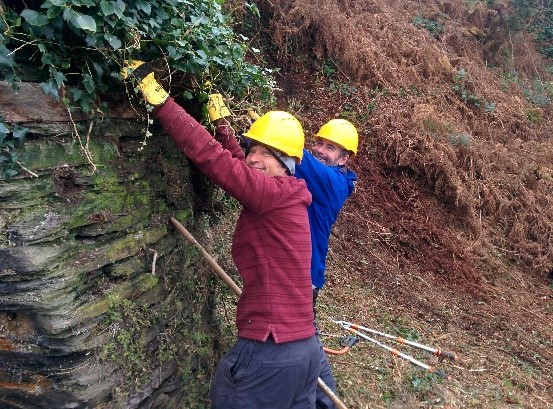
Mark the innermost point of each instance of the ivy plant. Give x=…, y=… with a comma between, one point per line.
x=76, y=48
x=10, y=140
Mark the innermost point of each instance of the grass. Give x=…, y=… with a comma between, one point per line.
x=489, y=375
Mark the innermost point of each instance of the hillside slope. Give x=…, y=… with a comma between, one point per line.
x=448, y=236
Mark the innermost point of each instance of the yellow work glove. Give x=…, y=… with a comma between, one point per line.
x=216, y=107
x=151, y=89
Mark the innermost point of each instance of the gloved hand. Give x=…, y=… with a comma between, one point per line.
x=216, y=107
x=151, y=89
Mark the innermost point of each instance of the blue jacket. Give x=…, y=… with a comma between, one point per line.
x=330, y=186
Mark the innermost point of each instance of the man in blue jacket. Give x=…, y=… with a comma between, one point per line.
x=330, y=183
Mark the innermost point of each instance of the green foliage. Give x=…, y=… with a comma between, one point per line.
x=11, y=138
x=407, y=333
x=432, y=26
x=422, y=382
x=343, y=88
x=410, y=90
x=436, y=128
x=460, y=139
x=534, y=116
x=330, y=71
x=126, y=321
x=549, y=89
x=76, y=48
x=540, y=15
x=462, y=84
x=537, y=93
x=329, y=68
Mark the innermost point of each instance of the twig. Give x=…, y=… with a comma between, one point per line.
x=30, y=172
x=536, y=314
x=78, y=136
x=153, y=261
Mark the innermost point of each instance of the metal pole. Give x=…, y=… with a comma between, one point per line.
x=238, y=291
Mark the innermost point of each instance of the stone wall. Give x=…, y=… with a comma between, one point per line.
x=102, y=303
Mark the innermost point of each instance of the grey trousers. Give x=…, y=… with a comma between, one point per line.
x=265, y=375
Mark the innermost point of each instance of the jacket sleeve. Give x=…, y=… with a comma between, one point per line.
x=224, y=134
x=250, y=187
x=324, y=182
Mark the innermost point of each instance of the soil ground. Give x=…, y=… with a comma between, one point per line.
x=447, y=238
x=401, y=263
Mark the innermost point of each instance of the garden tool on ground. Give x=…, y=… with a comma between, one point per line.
x=346, y=343
x=438, y=352
x=395, y=352
x=229, y=281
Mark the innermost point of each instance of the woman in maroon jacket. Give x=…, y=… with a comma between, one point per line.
x=275, y=360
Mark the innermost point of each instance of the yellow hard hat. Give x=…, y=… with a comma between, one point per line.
x=279, y=130
x=342, y=132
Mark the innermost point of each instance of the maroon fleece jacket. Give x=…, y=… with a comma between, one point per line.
x=271, y=246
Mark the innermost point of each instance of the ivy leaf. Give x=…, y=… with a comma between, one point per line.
x=53, y=12
x=253, y=8
x=113, y=41
x=5, y=57
x=77, y=94
x=84, y=22
x=195, y=37
x=19, y=132
x=88, y=83
x=143, y=6
x=50, y=88
x=34, y=18
x=107, y=7
x=46, y=59
x=59, y=77
x=8, y=173
x=99, y=69
x=119, y=8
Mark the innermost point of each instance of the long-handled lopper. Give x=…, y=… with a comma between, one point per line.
x=230, y=282
x=395, y=352
x=346, y=343
x=438, y=352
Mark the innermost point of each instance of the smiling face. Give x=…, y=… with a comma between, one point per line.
x=262, y=159
x=330, y=153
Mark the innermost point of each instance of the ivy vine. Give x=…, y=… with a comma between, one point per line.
x=11, y=139
x=75, y=48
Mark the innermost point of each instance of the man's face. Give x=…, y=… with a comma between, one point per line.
x=261, y=158
x=330, y=153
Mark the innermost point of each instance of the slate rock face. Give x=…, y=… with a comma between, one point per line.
x=102, y=303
